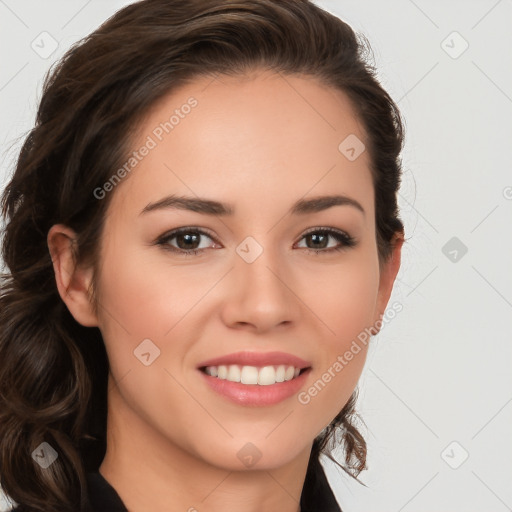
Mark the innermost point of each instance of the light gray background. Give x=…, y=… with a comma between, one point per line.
x=440, y=372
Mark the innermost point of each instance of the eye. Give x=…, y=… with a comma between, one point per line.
x=188, y=240
x=320, y=236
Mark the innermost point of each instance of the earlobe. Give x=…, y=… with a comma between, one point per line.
x=389, y=271
x=73, y=282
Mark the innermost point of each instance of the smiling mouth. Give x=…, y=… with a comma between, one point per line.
x=254, y=375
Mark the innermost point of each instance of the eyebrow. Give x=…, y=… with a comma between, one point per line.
x=211, y=207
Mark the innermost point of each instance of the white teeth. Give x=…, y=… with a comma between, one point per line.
x=263, y=376
x=233, y=373
x=267, y=376
x=222, y=372
x=289, y=373
x=211, y=370
x=249, y=375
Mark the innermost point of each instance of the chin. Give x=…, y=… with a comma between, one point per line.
x=245, y=454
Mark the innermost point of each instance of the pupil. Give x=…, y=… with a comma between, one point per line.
x=315, y=236
x=187, y=237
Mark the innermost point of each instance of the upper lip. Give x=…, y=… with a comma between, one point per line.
x=257, y=359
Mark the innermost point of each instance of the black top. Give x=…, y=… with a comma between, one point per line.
x=316, y=497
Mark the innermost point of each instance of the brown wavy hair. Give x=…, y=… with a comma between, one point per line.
x=53, y=371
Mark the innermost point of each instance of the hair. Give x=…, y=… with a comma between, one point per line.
x=54, y=371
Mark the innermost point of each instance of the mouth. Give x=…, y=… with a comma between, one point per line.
x=250, y=378
x=253, y=386
x=254, y=375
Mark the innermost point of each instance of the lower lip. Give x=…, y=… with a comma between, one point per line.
x=254, y=394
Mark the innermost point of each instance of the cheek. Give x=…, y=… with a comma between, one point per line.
x=143, y=298
x=141, y=301
x=147, y=298
x=344, y=299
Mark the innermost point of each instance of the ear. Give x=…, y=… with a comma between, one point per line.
x=388, y=272
x=73, y=282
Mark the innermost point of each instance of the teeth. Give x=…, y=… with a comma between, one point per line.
x=233, y=373
x=264, y=376
x=290, y=371
x=249, y=375
x=267, y=375
x=222, y=372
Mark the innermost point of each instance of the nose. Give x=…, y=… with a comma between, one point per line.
x=260, y=295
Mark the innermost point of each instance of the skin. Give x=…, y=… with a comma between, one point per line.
x=259, y=142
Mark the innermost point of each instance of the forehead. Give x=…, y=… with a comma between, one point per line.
x=257, y=140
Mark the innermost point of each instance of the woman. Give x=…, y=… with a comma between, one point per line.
x=199, y=228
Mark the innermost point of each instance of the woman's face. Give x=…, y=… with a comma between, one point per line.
x=259, y=145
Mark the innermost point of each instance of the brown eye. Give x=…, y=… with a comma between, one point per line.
x=187, y=241
x=317, y=240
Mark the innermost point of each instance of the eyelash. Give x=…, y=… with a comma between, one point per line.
x=346, y=240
